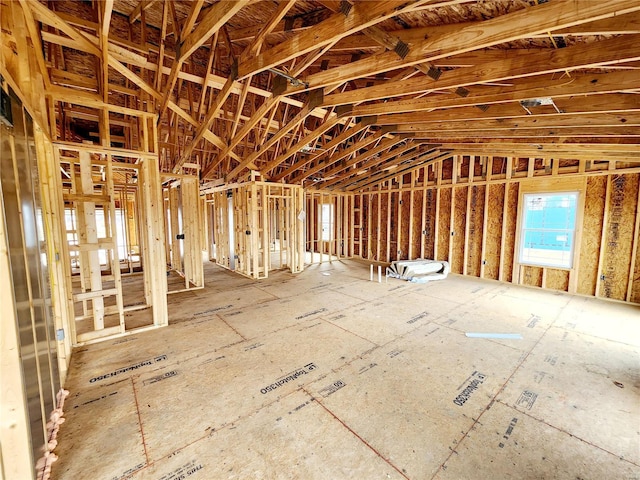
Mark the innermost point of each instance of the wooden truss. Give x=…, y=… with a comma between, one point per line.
x=296, y=92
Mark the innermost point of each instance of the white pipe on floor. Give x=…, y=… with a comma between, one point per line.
x=371, y=273
x=379, y=274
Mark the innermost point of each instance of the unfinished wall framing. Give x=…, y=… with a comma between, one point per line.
x=334, y=225
x=125, y=98
x=33, y=358
x=258, y=227
x=111, y=202
x=183, y=227
x=465, y=210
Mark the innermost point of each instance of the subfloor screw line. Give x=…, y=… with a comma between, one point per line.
x=371, y=447
x=567, y=433
x=144, y=444
x=231, y=327
x=493, y=399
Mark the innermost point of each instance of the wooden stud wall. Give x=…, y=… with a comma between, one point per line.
x=85, y=198
x=57, y=254
x=618, y=240
x=18, y=460
x=30, y=372
x=221, y=229
x=85, y=192
x=471, y=221
x=153, y=259
x=348, y=230
x=182, y=197
x=267, y=231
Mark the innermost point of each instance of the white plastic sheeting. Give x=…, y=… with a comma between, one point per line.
x=419, y=271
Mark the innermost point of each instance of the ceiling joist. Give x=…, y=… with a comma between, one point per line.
x=334, y=94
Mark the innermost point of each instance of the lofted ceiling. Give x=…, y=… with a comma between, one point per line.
x=344, y=94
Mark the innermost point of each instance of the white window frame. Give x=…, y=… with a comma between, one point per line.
x=550, y=185
x=326, y=223
x=571, y=233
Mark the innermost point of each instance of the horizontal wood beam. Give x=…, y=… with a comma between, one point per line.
x=369, y=159
x=588, y=133
x=569, y=107
x=542, y=18
x=628, y=24
x=336, y=157
x=295, y=148
x=399, y=166
x=533, y=121
x=347, y=133
x=576, y=84
x=337, y=26
x=516, y=65
x=311, y=103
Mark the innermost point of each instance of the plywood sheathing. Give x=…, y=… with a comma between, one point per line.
x=373, y=228
x=474, y=232
x=195, y=401
x=634, y=294
x=531, y=276
x=383, y=247
x=493, y=233
x=405, y=217
x=619, y=236
x=485, y=247
x=416, y=217
x=459, y=220
x=430, y=223
x=509, y=236
x=556, y=279
x=444, y=225
x=593, y=218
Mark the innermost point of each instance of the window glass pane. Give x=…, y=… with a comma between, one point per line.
x=326, y=214
x=548, y=229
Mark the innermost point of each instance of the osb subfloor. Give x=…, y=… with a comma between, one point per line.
x=326, y=375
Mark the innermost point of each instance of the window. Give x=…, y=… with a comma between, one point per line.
x=548, y=229
x=326, y=216
x=101, y=231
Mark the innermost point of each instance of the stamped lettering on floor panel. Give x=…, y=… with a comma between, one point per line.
x=128, y=472
x=331, y=389
x=130, y=368
x=159, y=378
x=466, y=389
x=289, y=377
x=527, y=399
x=185, y=471
x=509, y=431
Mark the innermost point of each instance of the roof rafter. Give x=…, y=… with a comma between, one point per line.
x=214, y=20
x=585, y=84
x=546, y=17
x=337, y=26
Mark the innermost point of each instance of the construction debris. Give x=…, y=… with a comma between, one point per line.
x=419, y=271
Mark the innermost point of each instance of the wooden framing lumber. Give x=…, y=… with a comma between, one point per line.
x=612, y=51
x=337, y=26
x=530, y=21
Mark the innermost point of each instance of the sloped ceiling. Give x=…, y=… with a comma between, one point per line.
x=328, y=93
